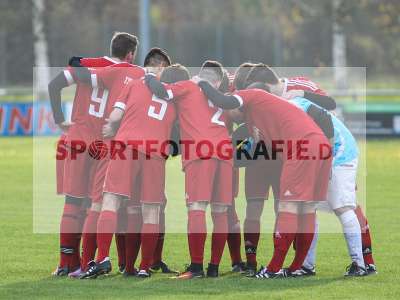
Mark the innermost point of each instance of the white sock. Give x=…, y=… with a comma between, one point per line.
x=352, y=234
x=311, y=257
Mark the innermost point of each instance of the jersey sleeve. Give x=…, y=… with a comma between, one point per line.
x=123, y=97
x=245, y=97
x=177, y=90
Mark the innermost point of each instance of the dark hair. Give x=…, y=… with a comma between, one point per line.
x=224, y=86
x=239, y=82
x=122, y=43
x=262, y=73
x=212, y=70
x=259, y=85
x=157, y=57
x=174, y=73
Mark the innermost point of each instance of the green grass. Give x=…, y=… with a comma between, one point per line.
x=27, y=259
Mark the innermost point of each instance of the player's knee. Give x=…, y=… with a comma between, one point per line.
x=341, y=210
x=289, y=207
x=151, y=213
x=254, y=209
x=198, y=205
x=219, y=208
x=111, y=202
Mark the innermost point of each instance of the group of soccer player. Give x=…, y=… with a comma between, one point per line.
x=145, y=115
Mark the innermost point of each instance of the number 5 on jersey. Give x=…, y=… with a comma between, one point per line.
x=153, y=113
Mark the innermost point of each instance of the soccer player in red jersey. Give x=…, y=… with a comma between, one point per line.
x=85, y=126
x=143, y=119
x=289, y=88
x=112, y=79
x=201, y=125
x=305, y=171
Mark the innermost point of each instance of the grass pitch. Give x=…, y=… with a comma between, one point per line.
x=27, y=259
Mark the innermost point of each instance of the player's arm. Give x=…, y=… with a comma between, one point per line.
x=219, y=99
x=321, y=100
x=82, y=73
x=114, y=120
x=61, y=81
x=156, y=87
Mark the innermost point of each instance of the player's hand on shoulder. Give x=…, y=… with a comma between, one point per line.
x=196, y=79
x=293, y=94
x=64, y=126
x=75, y=61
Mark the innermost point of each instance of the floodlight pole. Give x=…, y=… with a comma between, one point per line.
x=144, y=28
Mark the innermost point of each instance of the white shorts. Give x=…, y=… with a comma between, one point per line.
x=342, y=187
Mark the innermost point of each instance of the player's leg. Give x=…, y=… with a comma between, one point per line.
x=70, y=231
x=285, y=230
x=257, y=183
x=342, y=199
x=120, y=237
x=219, y=214
x=234, y=239
x=197, y=234
x=76, y=182
x=220, y=202
x=366, y=241
x=199, y=179
x=152, y=200
x=89, y=244
x=149, y=236
x=304, y=236
x=158, y=263
x=132, y=236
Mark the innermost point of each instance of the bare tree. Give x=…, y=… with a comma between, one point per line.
x=42, y=72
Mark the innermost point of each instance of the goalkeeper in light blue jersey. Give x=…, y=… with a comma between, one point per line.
x=341, y=191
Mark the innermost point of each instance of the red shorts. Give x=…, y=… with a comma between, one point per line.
x=209, y=180
x=97, y=184
x=139, y=178
x=306, y=179
x=77, y=176
x=260, y=176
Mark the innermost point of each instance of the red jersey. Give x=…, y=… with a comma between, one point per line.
x=87, y=103
x=301, y=83
x=113, y=79
x=147, y=119
x=200, y=122
x=277, y=120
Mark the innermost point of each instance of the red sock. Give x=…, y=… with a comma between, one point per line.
x=160, y=242
x=106, y=226
x=285, y=230
x=120, y=241
x=304, y=238
x=251, y=233
x=89, y=244
x=70, y=227
x=365, y=236
x=149, y=239
x=197, y=234
x=219, y=236
x=234, y=238
x=132, y=241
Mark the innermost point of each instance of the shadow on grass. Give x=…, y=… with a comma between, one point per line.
x=115, y=286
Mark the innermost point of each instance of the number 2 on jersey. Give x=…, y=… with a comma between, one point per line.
x=215, y=118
